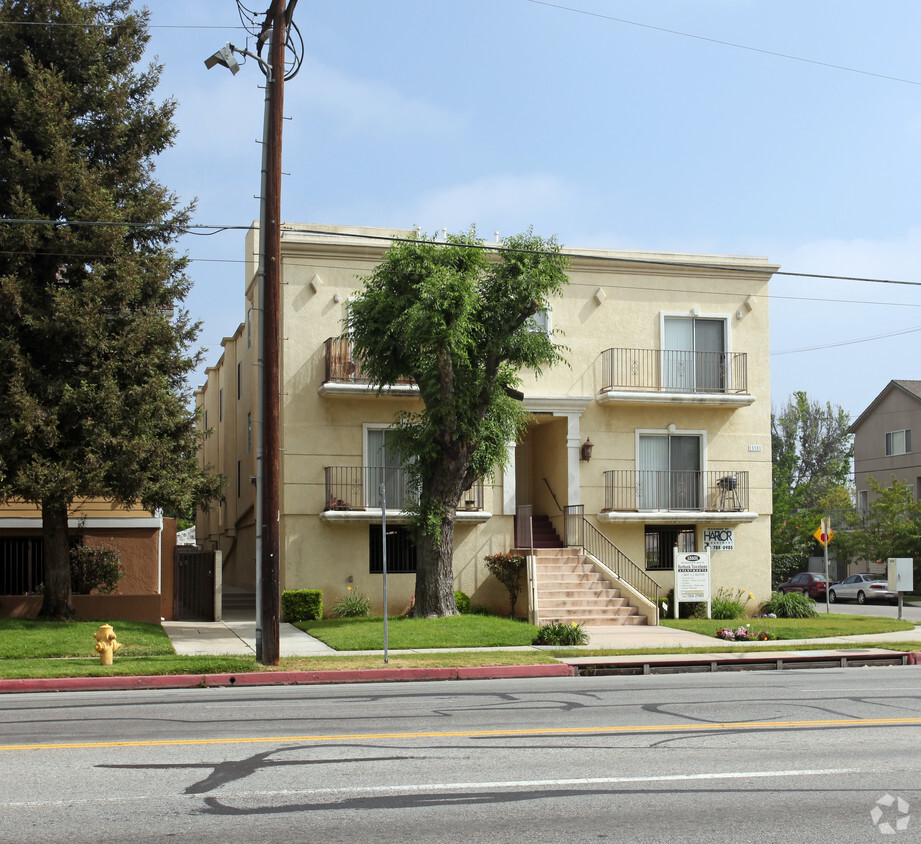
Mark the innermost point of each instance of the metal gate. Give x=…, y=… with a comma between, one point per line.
x=193, y=585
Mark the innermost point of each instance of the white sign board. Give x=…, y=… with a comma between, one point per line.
x=719, y=539
x=692, y=576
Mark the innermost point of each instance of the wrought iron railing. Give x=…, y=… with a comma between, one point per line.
x=358, y=488
x=342, y=366
x=581, y=532
x=662, y=370
x=639, y=489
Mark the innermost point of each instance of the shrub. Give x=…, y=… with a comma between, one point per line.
x=301, y=605
x=790, y=605
x=728, y=604
x=561, y=633
x=94, y=567
x=353, y=604
x=685, y=610
x=507, y=569
x=462, y=599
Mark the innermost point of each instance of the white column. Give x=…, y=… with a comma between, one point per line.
x=573, y=446
x=508, y=482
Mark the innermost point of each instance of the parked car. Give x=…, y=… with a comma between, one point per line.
x=807, y=582
x=863, y=588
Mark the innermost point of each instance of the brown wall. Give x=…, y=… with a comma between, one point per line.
x=102, y=607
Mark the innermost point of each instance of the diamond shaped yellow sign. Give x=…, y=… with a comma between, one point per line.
x=823, y=537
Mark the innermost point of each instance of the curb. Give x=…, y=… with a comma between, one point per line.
x=282, y=678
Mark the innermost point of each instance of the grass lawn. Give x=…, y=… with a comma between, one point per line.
x=831, y=624
x=456, y=631
x=22, y=638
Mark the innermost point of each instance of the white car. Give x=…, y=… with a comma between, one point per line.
x=862, y=588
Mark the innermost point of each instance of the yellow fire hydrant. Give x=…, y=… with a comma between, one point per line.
x=106, y=644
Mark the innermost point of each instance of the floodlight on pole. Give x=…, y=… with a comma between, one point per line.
x=225, y=58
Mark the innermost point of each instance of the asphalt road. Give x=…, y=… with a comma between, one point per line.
x=883, y=610
x=822, y=755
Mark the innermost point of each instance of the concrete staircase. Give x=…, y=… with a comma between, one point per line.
x=570, y=588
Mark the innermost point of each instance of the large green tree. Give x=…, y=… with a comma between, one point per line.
x=93, y=341
x=812, y=453
x=458, y=320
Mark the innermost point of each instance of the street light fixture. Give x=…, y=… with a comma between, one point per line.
x=225, y=58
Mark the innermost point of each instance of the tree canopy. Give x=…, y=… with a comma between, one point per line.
x=94, y=344
x=812, y=453
x=458, y=320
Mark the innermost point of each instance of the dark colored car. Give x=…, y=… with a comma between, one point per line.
x=807, y=582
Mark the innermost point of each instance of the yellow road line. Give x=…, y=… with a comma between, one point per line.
x=343, y=737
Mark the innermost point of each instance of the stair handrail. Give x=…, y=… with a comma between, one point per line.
x=553, y=494
x=580, y=532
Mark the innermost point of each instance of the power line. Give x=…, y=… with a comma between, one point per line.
x=847, y=342
x=722, y=43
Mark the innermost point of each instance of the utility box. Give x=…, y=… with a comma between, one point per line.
x=901, y=574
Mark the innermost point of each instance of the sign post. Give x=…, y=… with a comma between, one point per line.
x=825, y=534
x=692, y=578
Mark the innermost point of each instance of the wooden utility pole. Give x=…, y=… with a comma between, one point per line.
x=271, y=498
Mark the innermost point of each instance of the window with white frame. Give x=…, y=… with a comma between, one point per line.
x=863, y=501
x=898, y=442
x=385, y=467
x=539, y=323
x=694, y=353
x=668, y=471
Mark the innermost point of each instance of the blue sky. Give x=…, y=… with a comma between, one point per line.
x=609, y=126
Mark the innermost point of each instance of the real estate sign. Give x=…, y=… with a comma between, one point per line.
x=692, y=576
x=719, y=539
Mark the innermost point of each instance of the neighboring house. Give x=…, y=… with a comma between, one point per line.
x=667, y=381
x=146, y=543
x=883, y=440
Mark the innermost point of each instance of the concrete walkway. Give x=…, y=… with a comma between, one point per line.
x=237, y=636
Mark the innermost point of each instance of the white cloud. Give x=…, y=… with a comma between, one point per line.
x=367, y=105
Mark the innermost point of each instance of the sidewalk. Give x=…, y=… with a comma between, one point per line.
x=236, y=636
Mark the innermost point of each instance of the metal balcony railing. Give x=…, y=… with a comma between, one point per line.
x=660, y=370
x=639, y=489
x=358, y=488
x=342, y=366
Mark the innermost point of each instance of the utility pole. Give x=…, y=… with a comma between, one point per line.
x=275, y=27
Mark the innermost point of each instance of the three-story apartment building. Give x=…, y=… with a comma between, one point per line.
x=655, y=436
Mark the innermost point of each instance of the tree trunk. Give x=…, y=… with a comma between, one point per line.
x=56, y=603
x=435, y=572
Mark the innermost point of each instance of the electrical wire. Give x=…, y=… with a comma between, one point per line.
x=722, y=43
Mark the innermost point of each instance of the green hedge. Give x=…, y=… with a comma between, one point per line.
x=301, y=605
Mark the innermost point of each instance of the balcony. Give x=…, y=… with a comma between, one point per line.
x=662, y=496
x=652, y=376
x=353, y=495
x=344, y=375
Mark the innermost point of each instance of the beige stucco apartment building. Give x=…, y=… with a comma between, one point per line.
x=667, y=379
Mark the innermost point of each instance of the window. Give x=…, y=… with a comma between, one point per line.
x=694, y=354
x=863, y=501
x=239, y=380
x=898, y=442
x=22, y=565
x=239, y=479
x=401, y=550
x=384, y=467
x=540, y=322
x=661, y=541
x=668, y=475
x=249, y=323
x=220, y=405
x=249, y=432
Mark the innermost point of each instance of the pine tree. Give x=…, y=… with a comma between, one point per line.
x=94, y=344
